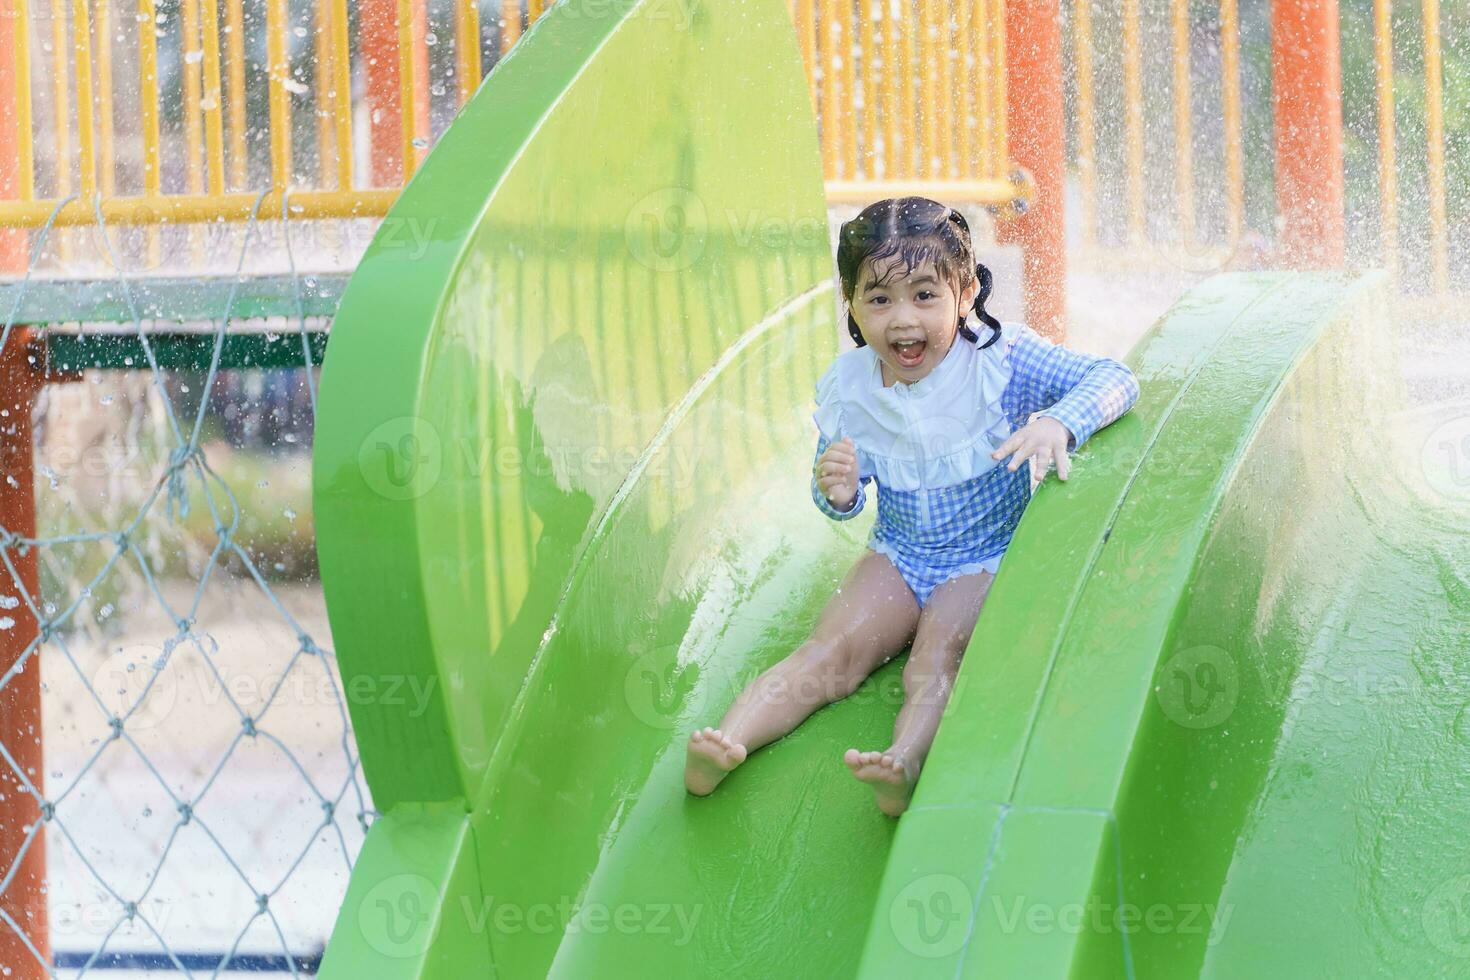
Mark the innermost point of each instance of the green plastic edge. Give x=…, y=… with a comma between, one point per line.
x=1038, y=754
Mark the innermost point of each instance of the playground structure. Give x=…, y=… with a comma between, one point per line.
x=592, y=573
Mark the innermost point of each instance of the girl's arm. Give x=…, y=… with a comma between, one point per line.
x=825, y=505
x=1084, y=392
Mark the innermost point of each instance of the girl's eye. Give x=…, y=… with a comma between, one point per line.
x=925, y=294
x=879, y=299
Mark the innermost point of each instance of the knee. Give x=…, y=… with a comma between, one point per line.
x=832, y=663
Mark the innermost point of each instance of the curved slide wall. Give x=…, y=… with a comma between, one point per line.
x=561, y=493
x=1213, y=720
x=559, y=519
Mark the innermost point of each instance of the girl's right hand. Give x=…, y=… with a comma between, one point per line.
x=837, y=473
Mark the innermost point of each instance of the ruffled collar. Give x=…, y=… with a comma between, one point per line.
x=933, y=433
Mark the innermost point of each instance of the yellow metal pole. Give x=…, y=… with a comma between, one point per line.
x=1183, y=124
x=60, y=104
x=1133, y=107
x=849, y=94
x=510, y=16
x=908, y=99
x=984, y=98
x=342, y=94
x=944, y=53
x=1388, y=178
x=25, y=138
x=831, y=108
x=928, y=110
x=888, y=109
x=193, y=124
x=105, y=140
x=1434, y=136
x=998, y=87
x=197, y=208
x=807, y=39
x=148, y=96
x=235, y=47
x=1086, y=119
x=86, y=136
x=467, y=48
x=280, y=105
x=148, y=103
x=1230, y=99
x=406, y=86
x=965, y=79
x=213, y=123
x=326, y=103
x=533, y=10
x=870, y=87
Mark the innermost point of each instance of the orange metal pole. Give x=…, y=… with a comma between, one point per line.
x=12, y=241
x=1037, y=141
x=378, y=35
x=1307, y=104
x=20, y=699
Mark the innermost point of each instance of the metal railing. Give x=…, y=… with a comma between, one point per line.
x=1166, y=162
x=910, y=98
x=920, y=109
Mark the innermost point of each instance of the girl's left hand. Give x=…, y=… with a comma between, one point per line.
x=1042, y=440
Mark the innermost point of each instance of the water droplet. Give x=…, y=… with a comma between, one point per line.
x=420, y=142
x=6, y=623
x=193, y=57
x=299, y=31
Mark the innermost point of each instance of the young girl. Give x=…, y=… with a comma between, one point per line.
x=927, y=408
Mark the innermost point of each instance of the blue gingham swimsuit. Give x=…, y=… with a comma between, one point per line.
x=945, y=508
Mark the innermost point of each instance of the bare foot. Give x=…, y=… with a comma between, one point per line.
x=892, y=782
x=711, y=757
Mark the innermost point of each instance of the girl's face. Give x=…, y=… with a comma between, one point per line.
x=910, y=322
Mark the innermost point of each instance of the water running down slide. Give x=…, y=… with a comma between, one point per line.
x=560, y=478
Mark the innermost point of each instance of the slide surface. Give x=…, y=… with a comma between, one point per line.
x=562, y=506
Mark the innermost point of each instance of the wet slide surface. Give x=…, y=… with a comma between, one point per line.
x=561, y=476
x=1355, y=858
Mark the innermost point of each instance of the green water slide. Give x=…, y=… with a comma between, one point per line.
x=561, y=493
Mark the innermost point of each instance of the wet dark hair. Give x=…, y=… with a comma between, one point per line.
x=918, y=230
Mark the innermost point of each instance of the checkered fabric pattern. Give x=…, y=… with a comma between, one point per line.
x=935, y=533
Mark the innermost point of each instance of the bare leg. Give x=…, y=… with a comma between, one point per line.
x=944, y=631
x=871, y=618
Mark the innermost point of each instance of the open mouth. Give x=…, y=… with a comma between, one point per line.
x=910, y=353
